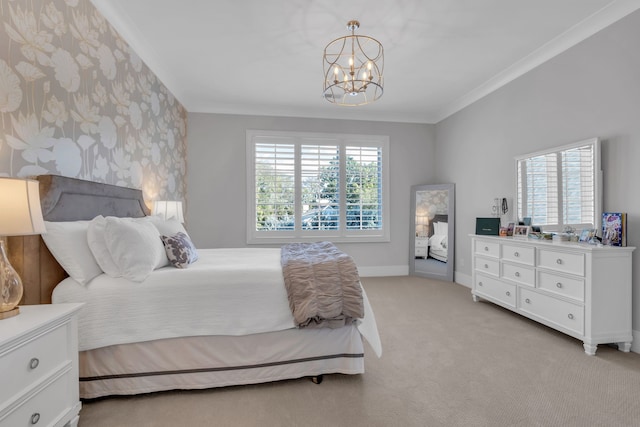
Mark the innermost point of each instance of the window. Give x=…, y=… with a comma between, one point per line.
x=310, y=186
x=561, y=188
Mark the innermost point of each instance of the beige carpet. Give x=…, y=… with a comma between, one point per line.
x=447, y=361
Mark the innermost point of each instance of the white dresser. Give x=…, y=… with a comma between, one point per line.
x=579, y=289
x=39, y=366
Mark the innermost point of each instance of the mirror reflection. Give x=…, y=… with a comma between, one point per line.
x=431, y=231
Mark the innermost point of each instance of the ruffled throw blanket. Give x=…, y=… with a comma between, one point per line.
x=322, y=284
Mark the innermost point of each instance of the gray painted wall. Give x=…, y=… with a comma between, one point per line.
x=591, y=90
x=217, y=180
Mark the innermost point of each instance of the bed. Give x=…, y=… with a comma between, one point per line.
x=438, y=238
x=166, y=332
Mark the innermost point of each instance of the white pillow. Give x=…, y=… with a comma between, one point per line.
x=98, y=246
x=135, y=246
x=67, y=242
x=167, y=227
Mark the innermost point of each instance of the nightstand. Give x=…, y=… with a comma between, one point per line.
x=39, y=366
x=422, y=247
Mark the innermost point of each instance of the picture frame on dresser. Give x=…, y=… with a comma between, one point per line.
x=521, y=231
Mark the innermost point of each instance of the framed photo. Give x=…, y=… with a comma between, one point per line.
x=510, y=229
x=526, y=220
x=521, y=231
x=587, y=234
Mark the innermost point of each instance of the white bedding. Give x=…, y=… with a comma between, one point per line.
x=237, y=291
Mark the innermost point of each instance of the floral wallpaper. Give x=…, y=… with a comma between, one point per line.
x=76, y=100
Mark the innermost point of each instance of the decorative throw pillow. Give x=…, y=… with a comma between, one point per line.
x=180, y=250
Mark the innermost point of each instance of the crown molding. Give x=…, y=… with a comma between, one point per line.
x=597, y=21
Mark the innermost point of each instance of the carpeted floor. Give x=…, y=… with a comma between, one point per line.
x=447, y=361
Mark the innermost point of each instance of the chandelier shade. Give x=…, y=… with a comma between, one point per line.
x=353, y=69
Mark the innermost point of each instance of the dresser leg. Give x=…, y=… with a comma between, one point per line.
x=475, y=298
x=590, y=349
x=624, y=346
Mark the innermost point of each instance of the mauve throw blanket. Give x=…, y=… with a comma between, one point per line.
x=323, y=285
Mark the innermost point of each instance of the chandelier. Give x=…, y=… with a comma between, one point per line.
x=353, y=67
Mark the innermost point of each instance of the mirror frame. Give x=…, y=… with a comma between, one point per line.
x=448, y=275
x=597, y=179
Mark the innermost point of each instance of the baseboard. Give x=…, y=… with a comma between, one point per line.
x=383, y=271
x=635, y=345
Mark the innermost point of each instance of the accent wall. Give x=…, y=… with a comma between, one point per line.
x=76, y=100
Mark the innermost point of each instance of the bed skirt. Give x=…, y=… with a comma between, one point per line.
x=219, y=361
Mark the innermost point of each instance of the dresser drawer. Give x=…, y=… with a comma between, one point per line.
x=493, y=288
x=562, y=313
x=561, y=285
x=34, y=360
x=519, y=273
x=488, y=266
x=47, y=406
x=518, y=254
x=561, y=261
x=421, y=251
x=490, y=249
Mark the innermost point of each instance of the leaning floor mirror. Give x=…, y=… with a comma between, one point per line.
x=431, y=233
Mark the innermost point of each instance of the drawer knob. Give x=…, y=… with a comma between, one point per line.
x=517, y=274
x=479, y=283
x=486, y=266
x=33, y=363
x=528, y=301
x=558, y=261
x=35, y=418
x=516, y=254
x=486, y=248
x=508, y=293
x=570, y=316
x=558, y=285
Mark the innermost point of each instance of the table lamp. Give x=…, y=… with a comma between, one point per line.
x=169, y=209
x=20, y=215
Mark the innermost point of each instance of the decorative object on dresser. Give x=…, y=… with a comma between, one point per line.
x=39, y=364
x=581, y=290
x=614, y=228
x=20, y=215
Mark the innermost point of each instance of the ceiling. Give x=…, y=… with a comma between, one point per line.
x=264, y=57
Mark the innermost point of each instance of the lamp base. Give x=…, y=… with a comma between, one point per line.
x=6, y=314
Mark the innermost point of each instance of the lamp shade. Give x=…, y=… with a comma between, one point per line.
x=20, y=211
x=168, y=209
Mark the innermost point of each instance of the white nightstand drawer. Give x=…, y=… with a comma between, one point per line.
x=561, y=285
x=46, y=406
x=488, y=266
x=490, y=249
x=421, y=251
x=521, y=254
x=562, y=313
x=504, y=292
x=520, y=274
x=561, y=261
x=34, y=360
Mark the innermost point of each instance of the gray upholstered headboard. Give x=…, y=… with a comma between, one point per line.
x=66, y=199
x=71, y=199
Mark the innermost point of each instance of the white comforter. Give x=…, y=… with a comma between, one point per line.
x=237, y=291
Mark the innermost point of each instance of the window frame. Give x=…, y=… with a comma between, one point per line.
x=342, y=234
x=597, y=185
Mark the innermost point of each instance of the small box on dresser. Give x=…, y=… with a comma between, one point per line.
x=39, y=362
x=580, y=289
